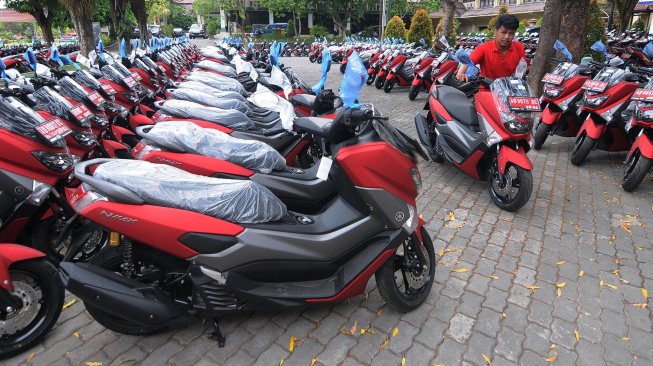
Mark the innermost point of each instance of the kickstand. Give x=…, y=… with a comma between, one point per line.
x=217, y=335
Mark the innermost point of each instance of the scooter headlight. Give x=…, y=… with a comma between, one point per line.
x=84, y=138
x=553, y=92
x=517, y=122
x=57, y=162
x=595, y=102
x=644, y=115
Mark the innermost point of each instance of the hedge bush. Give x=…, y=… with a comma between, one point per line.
x=396, y=28
x=421, y=26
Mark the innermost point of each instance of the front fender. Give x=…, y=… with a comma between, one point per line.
x=592, y=128
x=517, y=157
x=645, y=146
x=550, y=117
x=12, y=253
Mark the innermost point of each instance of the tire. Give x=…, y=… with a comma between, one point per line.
x=407, y=299
x=378, y=83
x=311, y=59
x=343, y=67
x=542, y=131
x=497, y=189
x=636, y=171
x=584, y=145
x=388, y=85
x=46, y=232
x=370, y=79
x=111, y=259
x=44, y=275
x=413, y=92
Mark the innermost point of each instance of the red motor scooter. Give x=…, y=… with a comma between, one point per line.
x=639, y=161
x=402, y=71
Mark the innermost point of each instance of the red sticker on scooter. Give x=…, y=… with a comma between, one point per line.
x=643, y=95
x=595, y=86
x=524, y=104
x=81, y=112
x=136, y=76
x=554, y=79
x=53, y=129
x=108, y=89
x=96, y=98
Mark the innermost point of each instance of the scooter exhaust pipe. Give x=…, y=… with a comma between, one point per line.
x=123, y=297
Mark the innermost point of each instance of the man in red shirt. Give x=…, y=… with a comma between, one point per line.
x=500, y=57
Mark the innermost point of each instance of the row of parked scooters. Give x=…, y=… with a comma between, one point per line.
x=189, y=183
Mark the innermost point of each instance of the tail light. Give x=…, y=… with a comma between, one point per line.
x=80, y=203
x=57, y=162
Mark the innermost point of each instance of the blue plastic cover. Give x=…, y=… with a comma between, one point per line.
x=136, y=43
x=560, y=47
x=355, y=77
x=326, y=66
x=273, y=54
x=422, y=41
x=100, y=50
x=598, y=46
x=67, y=61
x=30, y=58
x=54, y=55
x=648, y=50
x=123, y=49
x=462, y=56
x=2, y=70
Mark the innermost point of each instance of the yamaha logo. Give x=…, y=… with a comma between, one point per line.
x=113, y=216
x=399, y=216
x=166, y=161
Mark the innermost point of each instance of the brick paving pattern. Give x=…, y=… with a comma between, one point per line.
x=579, y=229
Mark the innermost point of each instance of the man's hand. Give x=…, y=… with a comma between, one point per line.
x=461, y=76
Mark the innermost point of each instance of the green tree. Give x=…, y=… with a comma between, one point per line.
x=43, y=12
x=446, y=25
x=395, y=28
x=342, y=11
x=574, y=22
x=319, y=31
x=157, y=10
x=595, y=30
x=297, y=8
x=638, y=24
x=421, y=26
x=452, y=38
x=178, y=18
x=81, y=13
x=235, y=8
x=290, y=30
x=626, y=9
x=401, y=8
x=139, y=10
x=491, y=26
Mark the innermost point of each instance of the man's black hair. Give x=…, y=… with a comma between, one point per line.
x=507, y=21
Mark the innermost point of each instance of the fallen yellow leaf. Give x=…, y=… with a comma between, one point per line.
x=441, y=253
x=631, y=216
x=451, y=216
x=625, y=338
x=384, y=344
x=561, y=262
x=552, y=346
x=31, y=356
x=69, y=304
x=642, y=305
x=645, y=293
x=626, y=226
x=76, y=334
x=577, y=335
x=378, y=312
x=561, y=284
x=281, y=362
x=313, y=361
x=403, y=361
x=532, y=288
x=363, y=331
x=552, y=358
x=365, y=296
x=504, y=315
x=581, y=273
x=601, y=283
x=395, y=332
x=460, y=270
x=291, y=346
x=624, y=281
x=93, y=363
x=558, y=292
x=611, y=286
x=354, y=327
x=438, y=364
x=494, y=277
x=486, y=358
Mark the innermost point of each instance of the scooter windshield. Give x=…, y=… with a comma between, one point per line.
x=54, y=103
x=72, y=89
x=611, y=75
x=148, y=61
x=399, y=140
x=19, y=118
x=566, y=69
x=85, y=78
x=111, y=73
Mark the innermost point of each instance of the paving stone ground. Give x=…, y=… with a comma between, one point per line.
x=578, y=229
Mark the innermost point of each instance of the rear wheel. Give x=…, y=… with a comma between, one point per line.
x=512, y=190
x=584, y=145
x=150, y=266
x=378, y=83
x=542, y=131
x=413, y=92
x=388, y=85
x=636, y=170
x=37, y=287
x=406, y=278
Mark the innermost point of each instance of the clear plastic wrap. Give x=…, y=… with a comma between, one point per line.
x=185, y=109
x=201, y=97
x=111, y=73
x=217, y=81
x=85, y=78
x=72, y=89
x=213, y=53
x=19, y=118
x=196, y=85
x=189, y=137
x=238, y=201
x=54, y=103
x=265, y=98
x=214, y=66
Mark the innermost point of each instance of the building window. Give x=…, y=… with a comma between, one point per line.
x=512, y=2
x=470, y=5
x=533, y=1
x=487, y=4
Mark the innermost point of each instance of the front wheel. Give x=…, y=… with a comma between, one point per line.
x=413, y=92
x=636, y=170
x=583, y=146
x=370, y=79
x=406, y=278
x=378, y=83
x=41, y=297
x=388, y=85
x=342, y=68
x=311, y=58
x=510, y=191
x=542, y=131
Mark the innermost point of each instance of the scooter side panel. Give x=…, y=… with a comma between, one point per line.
x=197, y=164
x=458, y=141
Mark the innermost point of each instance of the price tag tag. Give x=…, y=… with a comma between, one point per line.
x=53, y=129
x=324, y=168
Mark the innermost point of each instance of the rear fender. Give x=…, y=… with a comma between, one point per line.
x=592, y=128
x=645, y=146
x=517, y=157
x=12, y=253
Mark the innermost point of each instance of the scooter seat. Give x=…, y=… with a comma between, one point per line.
x=305, y=100
x=238, y=201
x=459, y=107
x=315, y=125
